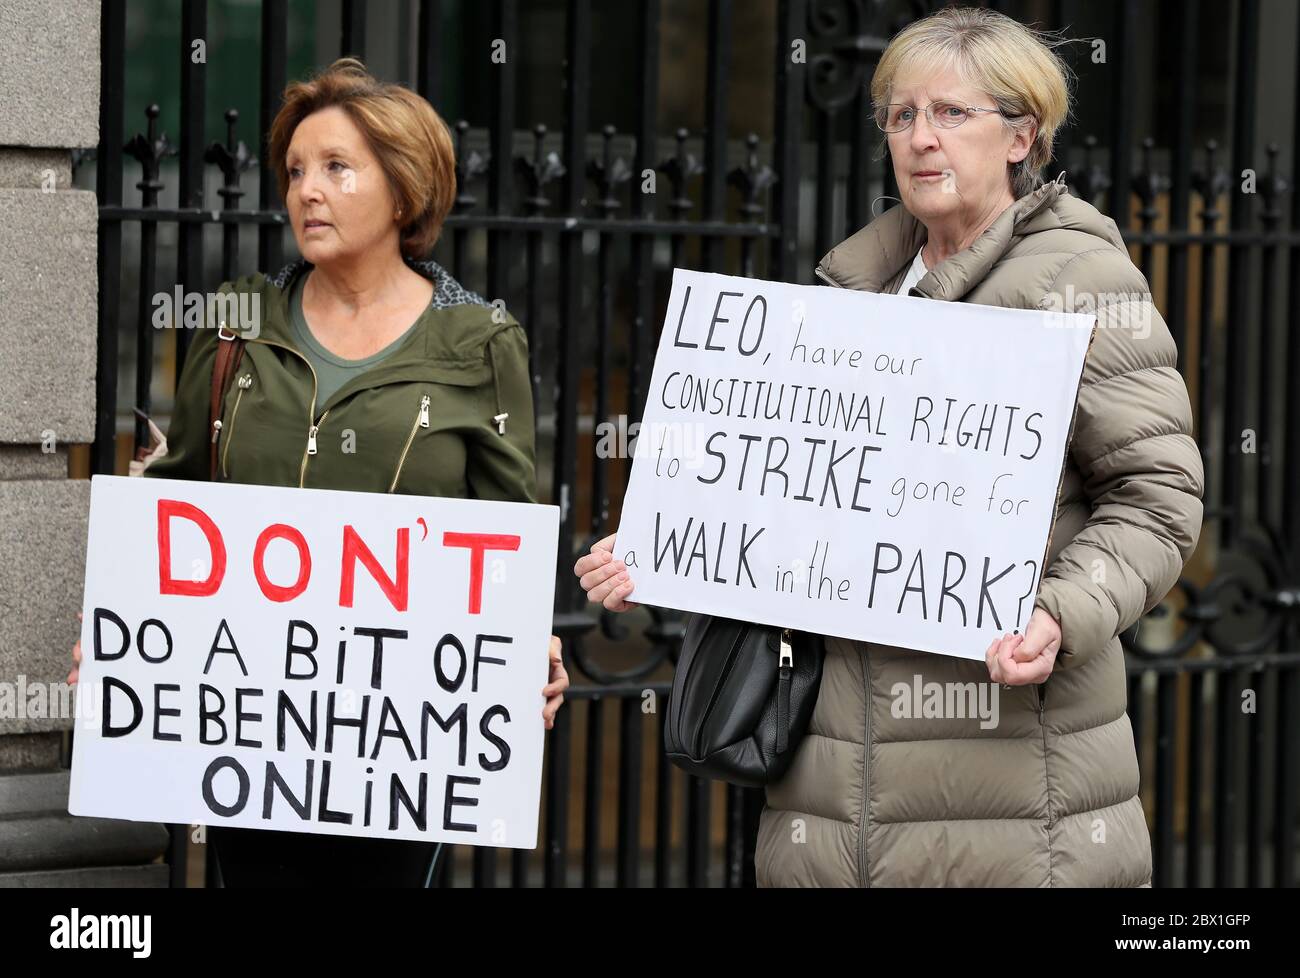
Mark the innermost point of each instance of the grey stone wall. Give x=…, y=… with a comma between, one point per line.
x=49, y=90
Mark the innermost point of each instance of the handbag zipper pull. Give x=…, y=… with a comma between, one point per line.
x=216, y=430
x=424, y=411
x=311, y=440
x=783, y=693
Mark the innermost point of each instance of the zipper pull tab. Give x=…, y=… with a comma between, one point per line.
x=783, y=682
x=216, y=430
x=424, y=411
x=500, y=419
x=311, y=440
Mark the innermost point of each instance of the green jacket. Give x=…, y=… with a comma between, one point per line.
x=422, y=422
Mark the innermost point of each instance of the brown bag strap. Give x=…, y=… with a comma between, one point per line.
x=230, y=350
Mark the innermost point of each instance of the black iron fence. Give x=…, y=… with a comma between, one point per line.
x=578, y=229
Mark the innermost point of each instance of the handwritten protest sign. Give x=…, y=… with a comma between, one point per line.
x=877, y=467
x=316, y=661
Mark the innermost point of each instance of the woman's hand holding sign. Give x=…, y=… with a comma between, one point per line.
x=604, y=577
x=559, y=682
x=1018, y=660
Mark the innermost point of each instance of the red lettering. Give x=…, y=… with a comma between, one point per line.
x=168, y=508
x=478, y=543
x=354, y=549
x=281, y=531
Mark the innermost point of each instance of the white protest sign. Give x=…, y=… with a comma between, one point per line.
x=316, y=661
x=876, y=467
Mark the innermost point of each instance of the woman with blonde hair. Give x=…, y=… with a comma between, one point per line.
x=969, y=101
x=369, y=369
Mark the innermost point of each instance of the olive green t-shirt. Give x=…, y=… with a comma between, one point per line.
x=332, y=372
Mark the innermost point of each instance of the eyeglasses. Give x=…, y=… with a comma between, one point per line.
x=896, y=117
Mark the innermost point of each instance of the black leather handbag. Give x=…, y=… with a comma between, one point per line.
x=742, y=697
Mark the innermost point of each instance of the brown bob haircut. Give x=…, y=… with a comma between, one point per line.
x=406, y=134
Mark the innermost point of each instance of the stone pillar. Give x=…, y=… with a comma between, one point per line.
x=49, y=87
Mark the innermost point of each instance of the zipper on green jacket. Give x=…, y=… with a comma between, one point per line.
x=311, y=445
x=311, y=416
x=421, y=421
x=313, y=429
x=245, y=382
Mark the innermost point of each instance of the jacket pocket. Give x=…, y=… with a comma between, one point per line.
x=245, y=382
x=421, y=421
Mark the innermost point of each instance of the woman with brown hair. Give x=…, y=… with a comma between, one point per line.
x=364, y=367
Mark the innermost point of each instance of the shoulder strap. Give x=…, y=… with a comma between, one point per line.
x=230, y=350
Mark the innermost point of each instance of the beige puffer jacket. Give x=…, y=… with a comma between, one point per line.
x=1049, y=796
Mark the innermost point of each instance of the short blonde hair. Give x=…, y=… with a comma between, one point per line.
x=1016, y=65
x=406, y=134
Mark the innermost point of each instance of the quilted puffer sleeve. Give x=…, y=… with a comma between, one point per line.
x=1141, y=468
